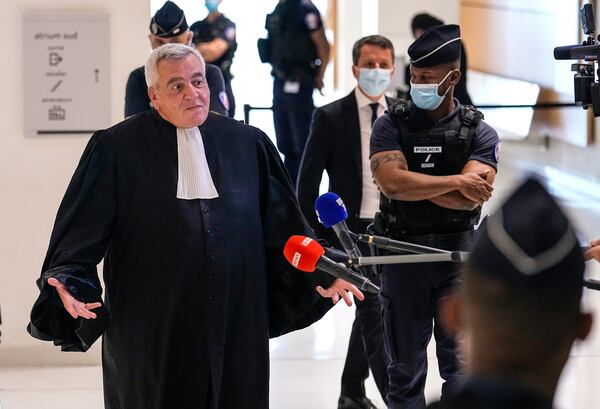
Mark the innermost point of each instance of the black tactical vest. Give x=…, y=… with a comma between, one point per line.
x=208, y=32
x=292, y=52
x=439, y=151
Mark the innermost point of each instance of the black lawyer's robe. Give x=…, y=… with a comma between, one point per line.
x=194, y=288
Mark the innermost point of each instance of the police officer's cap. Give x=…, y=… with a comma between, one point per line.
x=529, y=243
x=437, y=45
x=168, y=21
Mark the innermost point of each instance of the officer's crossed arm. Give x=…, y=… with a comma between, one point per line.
x=213, y=50
x=457, y=200
x=390, y=171
x=322, y=45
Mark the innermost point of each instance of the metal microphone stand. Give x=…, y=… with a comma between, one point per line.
x=423, y=254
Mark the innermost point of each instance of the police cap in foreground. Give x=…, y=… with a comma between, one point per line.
x=529, y=242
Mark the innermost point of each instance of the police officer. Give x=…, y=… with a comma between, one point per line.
x=518, y=311
x=299, y=52
x=168, y=25
x=214, y=37
x=434, y=161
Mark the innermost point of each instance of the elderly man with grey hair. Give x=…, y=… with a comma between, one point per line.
x=190, y=211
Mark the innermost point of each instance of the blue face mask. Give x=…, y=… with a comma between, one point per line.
x=374, y=81
x=425, y=96
x=211, y=5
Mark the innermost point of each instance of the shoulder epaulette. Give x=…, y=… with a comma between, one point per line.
x=400, y=108
x=470, y=115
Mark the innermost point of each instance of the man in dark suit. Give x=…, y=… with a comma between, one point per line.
x=339, y=144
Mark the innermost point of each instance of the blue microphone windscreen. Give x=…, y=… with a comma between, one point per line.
x=330, y=209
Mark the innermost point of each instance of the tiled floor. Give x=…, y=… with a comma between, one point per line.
x=306, y=365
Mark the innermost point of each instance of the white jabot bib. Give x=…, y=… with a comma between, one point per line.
x=193, y=174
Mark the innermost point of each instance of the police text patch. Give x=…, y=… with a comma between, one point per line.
x=427, y=149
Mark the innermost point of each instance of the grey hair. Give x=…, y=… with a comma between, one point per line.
x=172, y=52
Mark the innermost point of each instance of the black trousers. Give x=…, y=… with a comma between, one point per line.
x=365, y=348
x=292, y=115
x=410, y=297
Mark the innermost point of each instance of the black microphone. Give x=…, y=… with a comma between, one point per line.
x=307, y=255
x=336, y=255
x=592, y=284
x=577, y=52
x=337, y=270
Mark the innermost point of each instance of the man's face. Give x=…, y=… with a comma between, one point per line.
x=212, y=4
x=184, y=38
x=435, y=75
x=373, y=56
x=181, y=94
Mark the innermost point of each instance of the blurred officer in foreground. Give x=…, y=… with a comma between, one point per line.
x=169, y=26
x=435, y=162
x=298, y=50
x=517, y=310
x=214, y=37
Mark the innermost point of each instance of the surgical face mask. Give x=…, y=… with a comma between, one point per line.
x=374, y=81
x=211, y=5
x=425, y=96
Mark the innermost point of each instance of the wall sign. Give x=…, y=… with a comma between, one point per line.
x=66, y=72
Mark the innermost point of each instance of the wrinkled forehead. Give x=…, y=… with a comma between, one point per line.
x=187, y=67
x=373, y=51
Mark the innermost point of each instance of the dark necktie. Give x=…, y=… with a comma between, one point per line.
x=374, y=107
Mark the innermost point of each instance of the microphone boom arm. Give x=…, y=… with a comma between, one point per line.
x=395, y=245
x=451, y=256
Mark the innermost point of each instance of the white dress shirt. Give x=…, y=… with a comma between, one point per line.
x=370, y=194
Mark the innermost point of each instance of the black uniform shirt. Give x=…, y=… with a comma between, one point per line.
x=205, y=31
x=386, y=135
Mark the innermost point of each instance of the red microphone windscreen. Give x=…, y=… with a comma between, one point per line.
x=303, y=253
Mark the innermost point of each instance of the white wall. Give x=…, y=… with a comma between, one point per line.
x=349, y=30
x=395, y=17
x=34, y=172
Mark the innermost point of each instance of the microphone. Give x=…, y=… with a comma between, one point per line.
x=307, y=255
x=332, y=213
x=592, y=284
x=577, y=52
x=395, y=245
